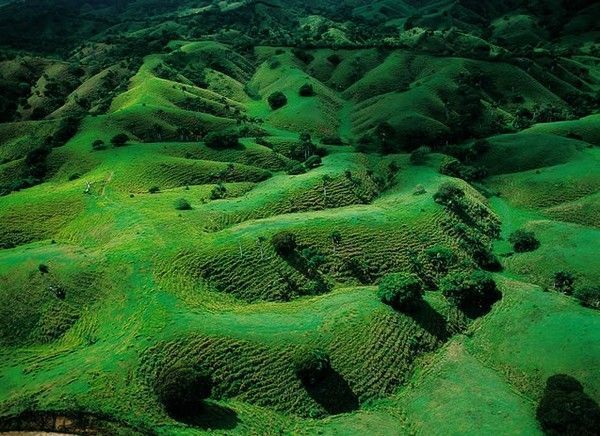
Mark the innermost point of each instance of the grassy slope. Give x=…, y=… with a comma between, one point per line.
x=146, y=258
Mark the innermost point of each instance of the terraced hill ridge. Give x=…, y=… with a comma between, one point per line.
x=285, y=217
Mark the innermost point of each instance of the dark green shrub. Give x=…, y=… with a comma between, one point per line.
x=296, y=168
x=181, y=389
x=313, y=161
x=307, y=90
x=43, y=268
x=119, y=140
x=402, y=291
x=588, y=296
x=563, y=281
x=313, y=258
x=473, y=291
x=218, y=192
x=154, y=190
x=182, y=204
x=98, y=144
x=284, y=243
x=304, y=56
x=440, y=258
x=565, y=409
x=523, y=241
x=222, y=140
x=312, y=366
x=277, y=100
x=332, y=140
x=334, y=59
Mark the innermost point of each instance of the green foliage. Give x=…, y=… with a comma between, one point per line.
x=589, y=296
x=277, y=100
x=119, y=140
x=218, y=192
x=402, y=291
x=523, y=241
x=449, y=195
x=475, y=292
x=154, y=190
x=182, y=204
x=222, y=140
x=181, y=389
x=98, y=144
x=306, y=90
x=313, y=161
x=296, y=169
x=563, y=281
x=43, y=268
x=565, y=409
x=312, y=365
x=284, y=243
x=440, y=258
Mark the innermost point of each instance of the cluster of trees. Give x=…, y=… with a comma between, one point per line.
x=182, y=389
x=565, y=409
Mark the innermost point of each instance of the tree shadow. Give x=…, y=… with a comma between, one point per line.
x=484, y=306
x=212, y=416
x=430, y=320
x=333, y=393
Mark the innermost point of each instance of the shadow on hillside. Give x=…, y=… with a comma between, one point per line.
x=431, y=321
x=214, y=417
x=334, y=394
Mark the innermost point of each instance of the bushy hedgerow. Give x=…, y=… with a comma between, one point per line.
x=523, y=241
x=181, y=389
x=565, y=409
x=402, y=291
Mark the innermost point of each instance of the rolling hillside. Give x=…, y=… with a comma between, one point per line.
x=226, y=187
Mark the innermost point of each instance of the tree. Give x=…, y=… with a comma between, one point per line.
x=218, y=192
x=563, y=281
x=448, y=195
x=284, y=243
x=154, y=190
x=43, y=268
x=336, y=239
x=181, y=389
x=277, y=100
x=313, y=161
x=222, y=140
x=523, y=241
x=588, y=296
x=182, y=204
x=98, y=144
x=565, y=409
x=440, y=258
x=307, y=90
x=474, y=291
x=312, y=366
x=313, y=258
x=402, y=291
x=119, y=140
